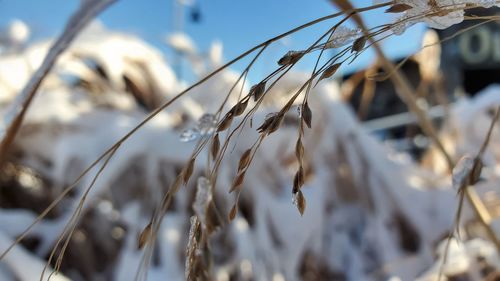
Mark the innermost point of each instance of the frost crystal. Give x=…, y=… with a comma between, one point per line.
x=438, y=14
x=487, y=3
x=202, y=200
x=401, y=24
x=451, y=14
x=343, y=36
x=206, y=126
x=461, y=170
x=190, y=135
x=192, y=231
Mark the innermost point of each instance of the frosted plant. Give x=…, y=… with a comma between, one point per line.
x=343, y=36
x=202, y=200
x=439, y=14
x=401, y=24
x=207, y=124
x=204, y=128
x=363, y=202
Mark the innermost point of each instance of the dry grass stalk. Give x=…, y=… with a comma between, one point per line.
x=215, y=146
x=470, y=179
x=188, y=170
x=71, y=226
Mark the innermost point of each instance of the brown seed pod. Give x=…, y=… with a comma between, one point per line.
x=188, y=170
x=257, y=90
x=329, y=71
x=291, y=57
x=275, y=125
x=240, y=107
x=245, y=159
x=398, y=8
x=214, y=149
x=145, y=236
x=238, y=181
x=307, y=114
x=298, y=180
x=299, y=149
x=226, y=121
x=267, y=123
x=301, y=202
x=358, y=44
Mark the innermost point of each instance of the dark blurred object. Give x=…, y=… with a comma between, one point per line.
x=196, y=13
x=471, y=60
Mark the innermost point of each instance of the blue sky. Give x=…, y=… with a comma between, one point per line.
x=239, y=24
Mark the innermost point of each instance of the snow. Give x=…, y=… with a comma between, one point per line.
x=181, y=42
x=17, y=32
x=204, y=128
x=343, y=36
x=202, y=200
x=24, y=265
x=445, y=14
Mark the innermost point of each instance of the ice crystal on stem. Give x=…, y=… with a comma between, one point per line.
x=202, y=200
x=190, y=135
x=206, y=126
x=439, y=14
x=343, y=36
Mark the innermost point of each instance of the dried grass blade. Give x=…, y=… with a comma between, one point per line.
x=188, y=170
x=245, y=159
x=238, y=181
x=233, y=212
x=214, y=150
x=307, y=114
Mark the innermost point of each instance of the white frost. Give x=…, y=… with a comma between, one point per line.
x=202, y=200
